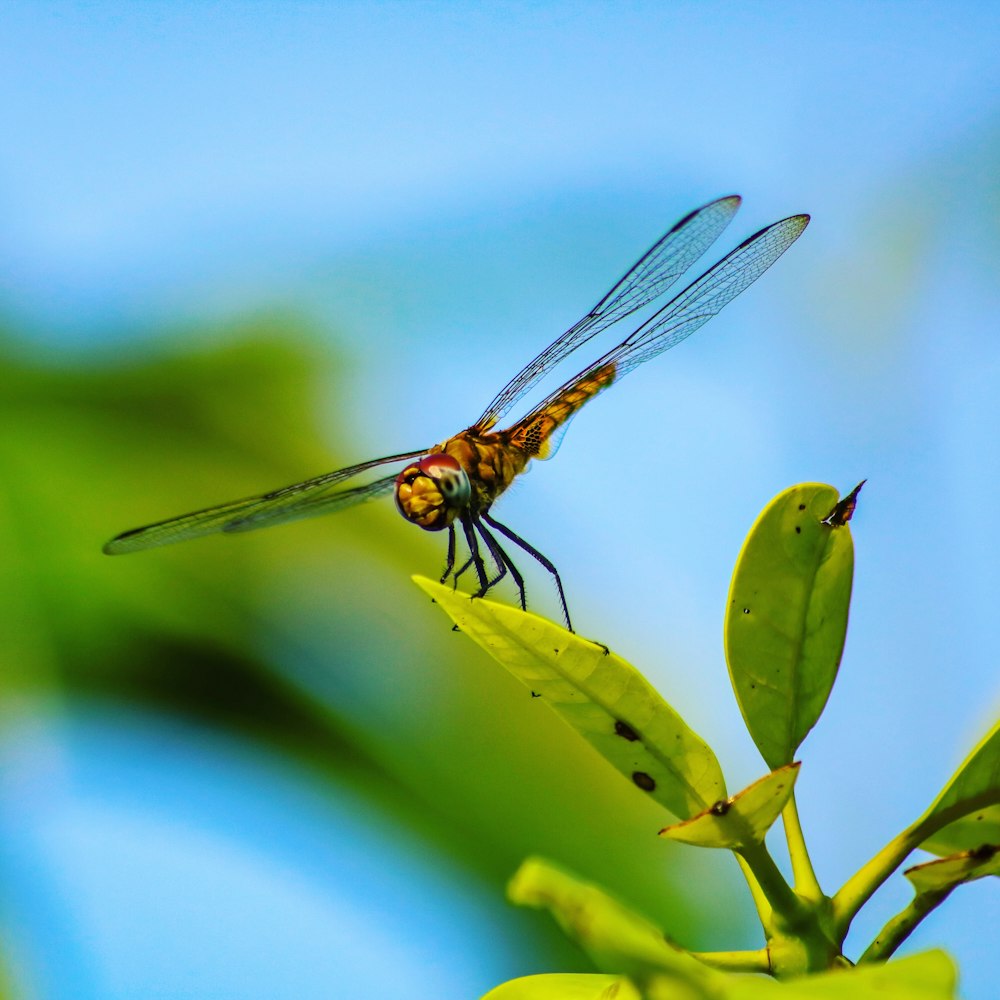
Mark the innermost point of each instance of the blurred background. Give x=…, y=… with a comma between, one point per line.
x=241, y=245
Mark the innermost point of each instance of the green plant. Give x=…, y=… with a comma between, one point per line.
x=785, y=627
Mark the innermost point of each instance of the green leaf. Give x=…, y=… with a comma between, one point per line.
x=743, y=820
x=945, y=873
x=974, y=790
x=929, y=975
x=616, y=938
x=787, y=617
x=566, y=986
x=605, y=699
x=965, y=834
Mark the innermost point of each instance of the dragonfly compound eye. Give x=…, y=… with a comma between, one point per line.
x=431, y=491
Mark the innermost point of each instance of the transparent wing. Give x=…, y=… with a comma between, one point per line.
x=648, y=278
x=314, y=505
x=681, y=316
x=305, y=499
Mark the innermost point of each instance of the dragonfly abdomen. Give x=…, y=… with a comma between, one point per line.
x=533, y=434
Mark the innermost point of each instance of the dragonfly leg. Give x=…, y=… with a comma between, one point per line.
x=503, y=560
x=461, y=569
x=474, y=558
x=535, y=554
x=450, y=564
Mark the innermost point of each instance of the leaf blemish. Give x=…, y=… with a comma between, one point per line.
x=802, y=506
x=644, y=781
x=798, y=530
x=624, y=730
x=720, y=808
x=746, y=611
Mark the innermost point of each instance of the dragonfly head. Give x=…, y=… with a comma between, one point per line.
x=431, y=491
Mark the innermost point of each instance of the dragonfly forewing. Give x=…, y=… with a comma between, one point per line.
x=257, y=511
x=313, y=506
x=655, y=271
x=676, y=321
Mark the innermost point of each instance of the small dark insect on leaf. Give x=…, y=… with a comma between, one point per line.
x=844, y=509
x=535, y=694
x=720, y=808
x=455, y=628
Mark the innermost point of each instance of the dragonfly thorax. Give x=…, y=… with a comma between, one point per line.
x=431, y=491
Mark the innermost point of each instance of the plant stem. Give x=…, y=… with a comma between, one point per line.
x=736, y=961
x=783, y=901
x=759, y=899
x=862, y=885
x=897, y=930
x=806, y=883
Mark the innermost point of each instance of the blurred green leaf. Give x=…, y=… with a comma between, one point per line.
x=742, y=820
x=607, y=701
x=929, y=975
x=786, y=619
x=616, y=938
x=90, y=447
x=566, y=986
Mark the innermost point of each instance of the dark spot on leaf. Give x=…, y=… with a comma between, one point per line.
x=643, y=780
x=984, y=852
x=535, y=694
x=455, y=628
x=746, y=611
x=720, y=808
x=802, y=506
x=556, y=650
x=624, y=730
x=798, y=530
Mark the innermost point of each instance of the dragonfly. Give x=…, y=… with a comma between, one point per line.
x=454, y=485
